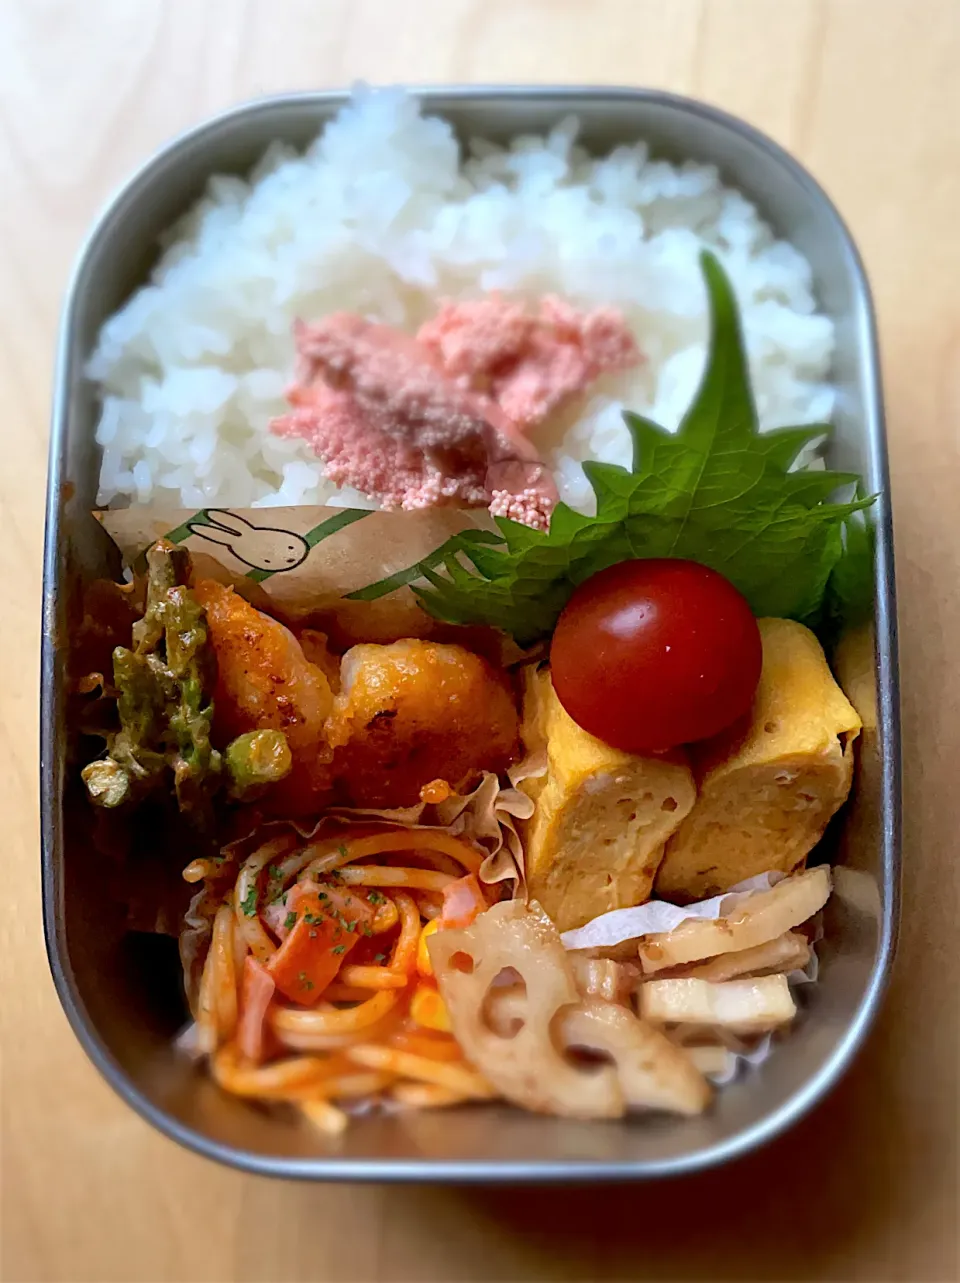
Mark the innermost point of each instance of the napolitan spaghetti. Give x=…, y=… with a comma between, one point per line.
x=376, y=1030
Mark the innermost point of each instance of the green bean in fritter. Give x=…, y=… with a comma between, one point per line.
x=256, y=759
x=163, y=688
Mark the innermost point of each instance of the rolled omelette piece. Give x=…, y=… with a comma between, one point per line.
x=602, y=816
x=767, y=787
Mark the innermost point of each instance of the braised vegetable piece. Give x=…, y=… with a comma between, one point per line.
x=526, y=1054
x=741, y=1006
x=755, y=920
x=788, y=952
x=652, y=1072
x=163, y=687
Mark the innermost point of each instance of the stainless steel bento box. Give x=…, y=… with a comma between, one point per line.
x=121, y=989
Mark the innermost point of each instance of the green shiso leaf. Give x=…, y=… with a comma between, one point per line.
x=716, y=491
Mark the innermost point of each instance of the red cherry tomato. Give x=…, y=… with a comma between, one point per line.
x=655, y=653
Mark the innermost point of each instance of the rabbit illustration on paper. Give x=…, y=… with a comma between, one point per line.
x=261, y=547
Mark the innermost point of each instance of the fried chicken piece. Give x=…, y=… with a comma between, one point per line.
x=264, y=681
x=415, y=712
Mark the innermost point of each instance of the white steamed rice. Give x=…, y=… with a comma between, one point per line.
x=383, y=216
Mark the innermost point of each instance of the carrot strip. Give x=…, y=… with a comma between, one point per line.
x=315, y=946
x=256, y=995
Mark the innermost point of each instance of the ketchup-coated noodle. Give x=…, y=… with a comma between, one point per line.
x=225, y=971
x=356, y=1040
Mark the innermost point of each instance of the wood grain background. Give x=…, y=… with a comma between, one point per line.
x=865, y=92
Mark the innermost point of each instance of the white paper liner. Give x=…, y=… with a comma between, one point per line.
x=187, y=1042
x=659, y=915
x=736, y=1059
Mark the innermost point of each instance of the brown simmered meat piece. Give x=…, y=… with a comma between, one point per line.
x=414, y=712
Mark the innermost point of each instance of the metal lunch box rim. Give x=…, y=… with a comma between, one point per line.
x=483, y=1171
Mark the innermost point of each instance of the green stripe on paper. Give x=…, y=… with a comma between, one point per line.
x=346, y=517
x=182, y=532
x=400, y=578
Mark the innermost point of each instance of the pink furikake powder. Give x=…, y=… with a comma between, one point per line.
x=377, y=407
x=528, y=364
x=441, y=418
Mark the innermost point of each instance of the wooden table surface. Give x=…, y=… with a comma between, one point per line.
x=865, y=92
